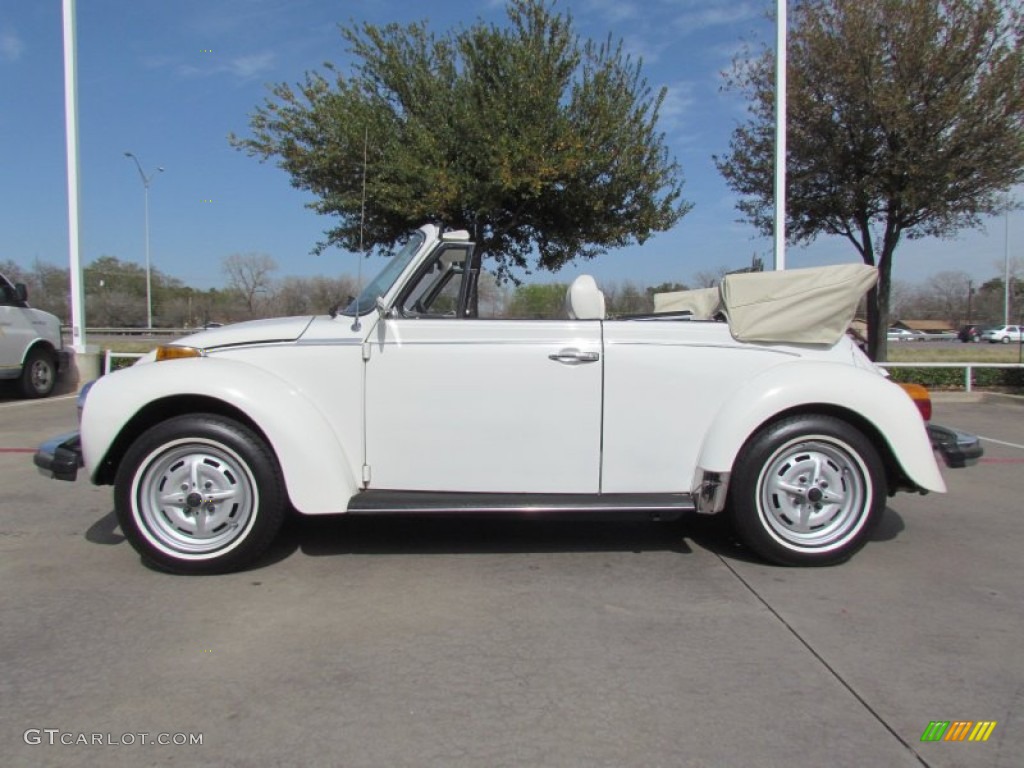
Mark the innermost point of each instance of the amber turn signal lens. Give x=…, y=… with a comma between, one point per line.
x=921, y=399
x=174, y=352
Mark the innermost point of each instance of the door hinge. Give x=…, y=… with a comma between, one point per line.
x=366, y=350
x=366, y=475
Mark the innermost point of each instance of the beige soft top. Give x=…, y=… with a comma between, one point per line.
x=798, y=306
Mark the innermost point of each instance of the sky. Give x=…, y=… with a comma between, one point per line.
x=168, y=80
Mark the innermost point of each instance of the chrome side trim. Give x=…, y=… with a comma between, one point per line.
x=658, y=505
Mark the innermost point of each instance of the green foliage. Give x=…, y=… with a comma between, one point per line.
x=953, y=378
x=538, y=301
x=532, y=140
x=904, y=119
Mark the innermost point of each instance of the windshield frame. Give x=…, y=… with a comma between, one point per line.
x=377, y=288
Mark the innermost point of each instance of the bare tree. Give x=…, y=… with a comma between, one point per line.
x=250, y=275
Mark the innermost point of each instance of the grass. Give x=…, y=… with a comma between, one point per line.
x=993, y=379
x=923, y=352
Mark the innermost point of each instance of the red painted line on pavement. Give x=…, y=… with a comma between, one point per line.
x=17, y=450
x=984, y=460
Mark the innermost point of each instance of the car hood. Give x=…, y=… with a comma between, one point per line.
x=250, y=332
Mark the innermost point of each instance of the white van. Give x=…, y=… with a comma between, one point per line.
x=30, y=344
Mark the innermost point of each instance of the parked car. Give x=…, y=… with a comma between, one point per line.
x=970, y=333
x=407, y=402
x=903, y=334
x=1002, y=334
x=31, y=349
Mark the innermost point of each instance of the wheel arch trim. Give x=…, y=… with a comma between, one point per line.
x=317, y=470
x=869, y=402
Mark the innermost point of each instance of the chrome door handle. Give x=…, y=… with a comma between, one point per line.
x=573, y=356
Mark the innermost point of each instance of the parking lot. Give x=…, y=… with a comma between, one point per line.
x=514, y=643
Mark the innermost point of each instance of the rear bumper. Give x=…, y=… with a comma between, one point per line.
x=958, y=449
x=60, y=457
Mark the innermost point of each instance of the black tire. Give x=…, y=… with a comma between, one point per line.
x=1005, y=340
x=39, y=374
x=807, y=490
x=200, y=494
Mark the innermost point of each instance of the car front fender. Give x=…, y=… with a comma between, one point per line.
x=832, y=386
x=317, y=469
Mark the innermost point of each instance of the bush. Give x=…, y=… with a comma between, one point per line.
x=953, y=378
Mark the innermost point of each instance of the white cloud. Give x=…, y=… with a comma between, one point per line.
x=679, y=99
x=251, y=65
x=11, y=46
x=242, y=67
x=613, y=11
x=711, y=15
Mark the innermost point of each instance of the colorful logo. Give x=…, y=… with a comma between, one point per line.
x=958, y=730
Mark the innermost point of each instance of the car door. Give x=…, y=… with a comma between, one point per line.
x=15, y=330
x=459, y=404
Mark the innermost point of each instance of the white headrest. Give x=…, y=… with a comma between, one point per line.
x=584, y=300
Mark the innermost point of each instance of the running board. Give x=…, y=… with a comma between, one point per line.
x=658, y=506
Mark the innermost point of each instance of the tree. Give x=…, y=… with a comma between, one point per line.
x=249, y=275
x=905, y=120
x=532, y=140
x=538, y=301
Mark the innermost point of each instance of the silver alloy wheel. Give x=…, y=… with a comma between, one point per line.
x=194, y=498
x=41, y=375
x=814, y=493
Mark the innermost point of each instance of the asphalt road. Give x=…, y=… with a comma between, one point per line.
x=499, y=643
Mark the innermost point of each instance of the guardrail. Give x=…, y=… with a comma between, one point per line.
x=138, y=332
x=968, y=368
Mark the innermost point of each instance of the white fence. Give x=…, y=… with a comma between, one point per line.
x=109, y=356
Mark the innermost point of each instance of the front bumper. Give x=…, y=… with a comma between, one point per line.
x=60, y=457
x=958, y=449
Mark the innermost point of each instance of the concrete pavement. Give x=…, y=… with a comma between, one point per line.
x=505, y=643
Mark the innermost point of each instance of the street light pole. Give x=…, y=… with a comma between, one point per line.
x=146, y=180
x=1006, y=271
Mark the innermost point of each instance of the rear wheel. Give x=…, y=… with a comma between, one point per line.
x=807, y=490
x=39, y=374
x=200, y=494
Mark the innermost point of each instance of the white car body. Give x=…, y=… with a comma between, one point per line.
x=1002, y=334
x=903, y=334
x=388, y=410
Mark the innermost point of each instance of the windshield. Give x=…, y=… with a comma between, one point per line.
x=367, y=300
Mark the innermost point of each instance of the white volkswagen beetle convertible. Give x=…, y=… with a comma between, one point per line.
x=408, y=402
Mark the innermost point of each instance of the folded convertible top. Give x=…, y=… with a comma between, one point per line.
x=796, y=306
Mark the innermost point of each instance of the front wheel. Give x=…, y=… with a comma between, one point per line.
x=807, y=490
x=200, y=494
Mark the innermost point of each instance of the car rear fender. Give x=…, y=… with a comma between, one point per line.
x=825, y=387
x=318, y=470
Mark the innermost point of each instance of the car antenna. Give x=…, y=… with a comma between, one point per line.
x=362, y=227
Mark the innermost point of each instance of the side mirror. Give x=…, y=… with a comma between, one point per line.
x=382, y=309
x=21, y=292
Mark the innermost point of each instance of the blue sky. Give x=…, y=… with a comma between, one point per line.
x=169, y=79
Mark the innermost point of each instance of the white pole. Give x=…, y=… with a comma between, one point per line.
x=149, y=282
x=71, y=135
x=780, y=135
x=146, y=181
x=1006, y=272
